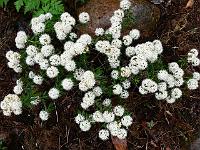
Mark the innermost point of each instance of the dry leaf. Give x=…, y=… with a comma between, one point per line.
x=190, y=3
x=119, y=144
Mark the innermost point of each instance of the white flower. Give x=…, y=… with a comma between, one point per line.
x=173, y=67
x=78, y=73
x=67, y=84
x=31, y=50
x=125, y=4
x=21, y=39
x=104, y=134
x=162, y=86
x=55, y=60
x=158, y=48
x=97, y=91
x=18, y=89
x=170, y=100
x=44, y=64
x=79, y=118
x=126, y=84
x=108, y=116
x=11, y=103
x=142, y=91
x=176, y=93
x=130, y=51
x=127, y=40
x=45, y=39
x=98, y=116
x=192, y=84
x=84, y=17
x=54, y=93
x=99, y=31
x=161, y=95
x=117, y=43
x=107, y=102
x=126, y=121
x=85, y=125
x=30, y=60
x=47, y=50
x=38, y=57
x=114, y=127
x=122, y=133
x=37, y=79
x=73, y=36
x=196, y=76
x=31, y=74
x=135, y=34
x=196, y=62
x=124, y=94
x=70, y=65
x=117, y=89
x=118, y=110
x=52, y=72
x=115, y=74
x=44, y=115
x=38, y=28
x=125, y=72
x=163, y=75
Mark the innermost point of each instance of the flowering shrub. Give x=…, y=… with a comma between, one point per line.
x=101, y=68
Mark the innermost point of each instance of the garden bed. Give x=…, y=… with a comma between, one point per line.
x=156, y=124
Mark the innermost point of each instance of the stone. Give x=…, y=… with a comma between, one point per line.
x=146, y=16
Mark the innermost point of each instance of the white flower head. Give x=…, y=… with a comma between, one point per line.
x=104, y=134
x=44, y=115
x=54, y=93
x=84, y=17
x=118, y=110
x=45, y=39
x=52, y=72
x=67, y=84
x=126, y=121
x=85, y=125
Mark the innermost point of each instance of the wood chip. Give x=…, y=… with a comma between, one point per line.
x=119, y=144
x=190, y=3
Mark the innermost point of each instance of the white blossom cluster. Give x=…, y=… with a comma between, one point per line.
x=113, y=127
x=18, y=89
x=46, y=57
x=84, y=17
x=64, y=27
x=11, y=103
x=14, y=61
x=142, y=54
x=193, y=57
x=169, y=87
x=38, y=23
x=21, y=39
x=193, y=84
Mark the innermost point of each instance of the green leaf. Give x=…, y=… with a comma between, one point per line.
x=18, y=4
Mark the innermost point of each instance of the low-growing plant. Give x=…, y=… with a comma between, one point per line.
x=98, y=71
x=37, y=7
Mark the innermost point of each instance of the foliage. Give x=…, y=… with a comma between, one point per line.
x=2, y=145
x=37, y=7
x=3, y=3
x=40, y=6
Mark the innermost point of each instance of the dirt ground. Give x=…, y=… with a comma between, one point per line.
x=157, y=125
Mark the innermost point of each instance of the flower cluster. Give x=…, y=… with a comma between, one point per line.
x=64, y=66
x=113, y=127
x=11, y=103
x=192, y=57
x=193, y=83
x=38, y=23
x=14, y=61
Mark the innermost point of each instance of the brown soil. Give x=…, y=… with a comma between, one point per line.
x=175, y=126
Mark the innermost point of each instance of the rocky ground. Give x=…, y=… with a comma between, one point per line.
x=157, y=125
